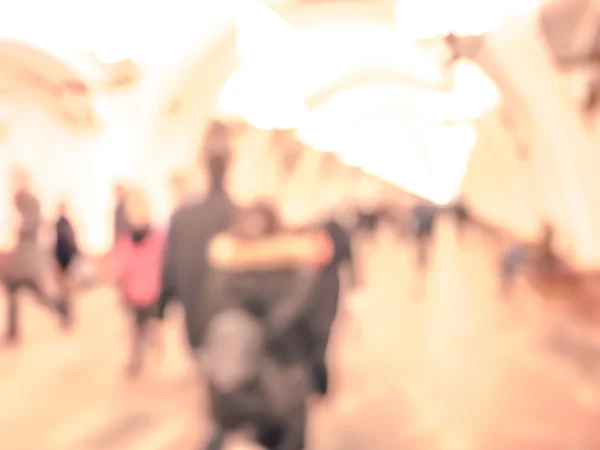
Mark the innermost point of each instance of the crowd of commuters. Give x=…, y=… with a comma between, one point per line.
x=259, y=298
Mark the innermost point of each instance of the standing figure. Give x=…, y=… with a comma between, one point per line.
x=424, y=217
x=256, y=356
x=326, y=297
x=192, y=226
x=25, y=266
x=136, y=262
x=511, y=263
x=461, y=217
x=65, y=253
x=121, y=225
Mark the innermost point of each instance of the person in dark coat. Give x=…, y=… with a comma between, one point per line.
x=185, y=268
x=461, y=214
x=512, y=261
x=325, y=300
x=65, y=252
x=25, y=266
x=425, y=217
x=255, y=358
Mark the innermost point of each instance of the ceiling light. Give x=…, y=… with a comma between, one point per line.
x=427, y=19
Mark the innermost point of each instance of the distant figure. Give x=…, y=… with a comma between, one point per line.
x=65, y=252
x=326, y=297
x=461, y=216
x=424, y=219
x=137, y=262
x=591, y=101
x=511, y=263
x=191, y=228
x=544, y=253
x=121, y=225
x=25, y=266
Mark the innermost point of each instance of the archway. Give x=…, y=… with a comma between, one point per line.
x=47, y=121
x=197, y=100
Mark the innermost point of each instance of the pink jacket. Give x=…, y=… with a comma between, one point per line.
x=138, y=267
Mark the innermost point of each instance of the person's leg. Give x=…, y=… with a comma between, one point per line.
x=12, y=311
x=320, y=373
x=64, y=301
x=460, y=227
x=422, y=251
x=507, y=281
x=43, y=300
x=294, y=432
x=134, y=366
x=216, y=442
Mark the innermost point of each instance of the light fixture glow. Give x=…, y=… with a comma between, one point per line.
x=294, y=65
x=428, y=19
x=426, y=159
x=408, y=149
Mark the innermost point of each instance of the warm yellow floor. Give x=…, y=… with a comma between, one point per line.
x=458, y=369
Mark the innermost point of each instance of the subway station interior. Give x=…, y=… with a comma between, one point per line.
x=325, y=107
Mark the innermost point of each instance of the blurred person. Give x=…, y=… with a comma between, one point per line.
x=368, y=219
x=217, y=138
x=591, y=100
x=326, y=296
x=65, y=253
x=121, y=226
x=192, y=226
x=256, y=357
x=136, y=262
x=461, y=216
x=511, y=263
x=545, y=254
x=452, y=43
x=424, y=215
x=25, y=266
x=402, y=220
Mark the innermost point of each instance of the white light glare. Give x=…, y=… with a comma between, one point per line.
x=427, y=19
x=429, y=161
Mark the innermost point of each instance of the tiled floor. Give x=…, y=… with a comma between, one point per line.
x=457, y=369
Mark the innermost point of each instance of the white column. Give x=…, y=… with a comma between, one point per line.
x=564, y=156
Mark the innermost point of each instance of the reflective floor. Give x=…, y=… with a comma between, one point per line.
x=455, y=368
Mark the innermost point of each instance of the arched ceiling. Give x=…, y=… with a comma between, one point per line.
x=222, y=57
x=396, y=66
x=370, y=75
x=31, y=75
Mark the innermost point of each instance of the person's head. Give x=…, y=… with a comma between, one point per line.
x=137, y=208
x=120, y=192
x=20, y=177
x=62, y=208
x=547, y=231
x=217, y=166
x=259, y=220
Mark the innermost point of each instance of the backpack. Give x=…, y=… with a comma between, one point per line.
x=233, y=350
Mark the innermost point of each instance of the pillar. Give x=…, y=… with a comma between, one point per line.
x=564, y=155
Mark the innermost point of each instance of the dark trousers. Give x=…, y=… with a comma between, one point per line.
x=142, y=335
x=248, y=406
x=508, y=279
x=423, y=241
x=13, y=286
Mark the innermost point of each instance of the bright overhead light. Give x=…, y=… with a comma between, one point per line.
x=287, y=66
x=261, y=33
x=426, y=159
x=427, y=19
